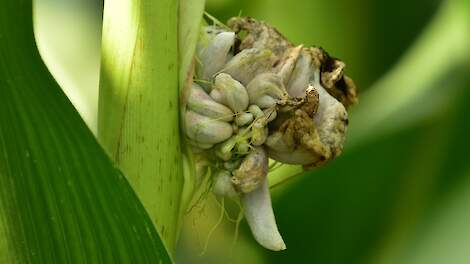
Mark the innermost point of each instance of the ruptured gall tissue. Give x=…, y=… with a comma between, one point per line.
x=256, y=96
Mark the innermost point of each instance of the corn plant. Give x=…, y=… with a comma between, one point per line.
x=68, y=196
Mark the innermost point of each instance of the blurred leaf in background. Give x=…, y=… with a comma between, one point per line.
x=68, y=35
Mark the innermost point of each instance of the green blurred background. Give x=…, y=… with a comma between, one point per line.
x=400, y=193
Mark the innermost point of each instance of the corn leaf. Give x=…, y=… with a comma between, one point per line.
x=61, y=198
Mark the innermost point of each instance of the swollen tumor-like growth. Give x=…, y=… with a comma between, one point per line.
x=256, y=97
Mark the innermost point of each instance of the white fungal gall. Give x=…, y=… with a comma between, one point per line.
x=230, y=92
x=200, y=102
x=214, y=51
x=244, y=119
x=260, y=217
x=301, y=75
x=259, y=132
x=206, y=130
x=309, y=141
x=262, y=97
x=256, y=111
x=247, y=64
x=270, y=114
x=286, y=68
x=223, y=184
x=331, y=122
x=252, y=171
x=264, y=86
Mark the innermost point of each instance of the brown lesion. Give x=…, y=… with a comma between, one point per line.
x=299, y=130
x=252, y=171
x=261, y=35
x=335, y=82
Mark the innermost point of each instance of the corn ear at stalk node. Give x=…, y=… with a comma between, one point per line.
x=288, y=103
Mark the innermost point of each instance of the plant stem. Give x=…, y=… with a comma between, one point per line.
x=138, y=117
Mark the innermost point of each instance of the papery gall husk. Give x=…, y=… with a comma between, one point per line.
x=252, y=171
x=310, y=139
x=260, y=35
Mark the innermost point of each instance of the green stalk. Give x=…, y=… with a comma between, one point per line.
x=138, y=122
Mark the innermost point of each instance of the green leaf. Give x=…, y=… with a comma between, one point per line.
x=392, y=103
x=189, y=23
x=61, y=199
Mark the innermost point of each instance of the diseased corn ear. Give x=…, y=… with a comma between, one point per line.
x=270, y=114
x=260, y=217
x=200, y=102
x=285, y=69
x=244, y=119
x=267, y=90
x=248, y=63
x=259, y=132
x=263, y=97
x=223, y=184
x=256, y=111
x=230, y=92
x=331, y=121
x=252, y=171
x=199, y=145
x=260, y=35
x=309, y=141
x=213, y=53
x=205, y=130
x=301, y=75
